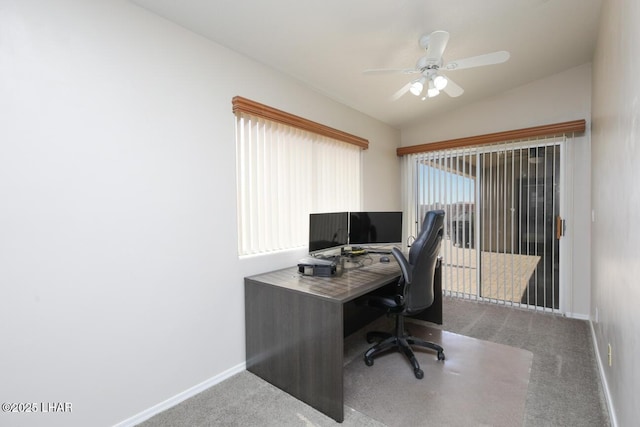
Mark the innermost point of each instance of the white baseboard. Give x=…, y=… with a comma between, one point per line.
x=180, y=397
x=603, y=379
x=579, y=316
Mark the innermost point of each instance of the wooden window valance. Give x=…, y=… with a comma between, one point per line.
x=532, y=132
x=244, y=105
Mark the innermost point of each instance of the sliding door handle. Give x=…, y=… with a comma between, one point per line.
x=560, y=225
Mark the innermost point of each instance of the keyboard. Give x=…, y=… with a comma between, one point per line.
x=379, y=251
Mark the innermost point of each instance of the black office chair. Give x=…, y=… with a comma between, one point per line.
x=415, y=293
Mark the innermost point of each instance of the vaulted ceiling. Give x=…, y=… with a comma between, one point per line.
x=327, y=44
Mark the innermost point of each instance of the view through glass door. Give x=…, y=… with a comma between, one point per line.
x=501, y=205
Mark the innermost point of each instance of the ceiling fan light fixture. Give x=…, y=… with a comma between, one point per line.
x=417, y=86
x=433, y=90
x=440, y=82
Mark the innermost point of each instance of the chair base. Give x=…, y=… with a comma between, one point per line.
x=400, y=341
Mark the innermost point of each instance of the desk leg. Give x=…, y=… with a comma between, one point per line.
x=294, y=341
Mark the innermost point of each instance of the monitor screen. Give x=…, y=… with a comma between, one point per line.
x=375, y=227
x=328, y=230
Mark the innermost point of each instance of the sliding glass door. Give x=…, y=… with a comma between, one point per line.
x=501, y=204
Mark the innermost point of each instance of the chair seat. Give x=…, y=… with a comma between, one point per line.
x=387, y=303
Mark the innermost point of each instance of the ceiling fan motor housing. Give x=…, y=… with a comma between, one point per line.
x=424, y=63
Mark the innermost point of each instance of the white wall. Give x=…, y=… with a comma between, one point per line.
x=616, y=203
x=562, y=97
x=120, y=282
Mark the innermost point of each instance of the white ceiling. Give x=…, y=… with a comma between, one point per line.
x=327, y=44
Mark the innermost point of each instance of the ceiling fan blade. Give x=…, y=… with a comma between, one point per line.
x=452, y=89
x=478, y=61
x=435, y=43
x=404, y=89
x=391, y=71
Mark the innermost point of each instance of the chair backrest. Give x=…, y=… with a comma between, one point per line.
x=423, y=258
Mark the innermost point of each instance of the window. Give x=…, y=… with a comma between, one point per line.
x=284, y=173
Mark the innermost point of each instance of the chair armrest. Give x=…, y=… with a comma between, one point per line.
x=404, y=264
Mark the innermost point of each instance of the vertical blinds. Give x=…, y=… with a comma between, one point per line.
x=285, y=173
x=501, y=202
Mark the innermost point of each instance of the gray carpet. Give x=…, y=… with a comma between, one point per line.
x=479, y=383
x=245, y=400
x=564, y=385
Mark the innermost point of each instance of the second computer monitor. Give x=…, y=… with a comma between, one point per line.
x=327, y=230
x=375, y=227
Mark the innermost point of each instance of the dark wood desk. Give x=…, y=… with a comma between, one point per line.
x=295, y=328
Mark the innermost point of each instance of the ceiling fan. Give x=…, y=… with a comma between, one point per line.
x=431, y=65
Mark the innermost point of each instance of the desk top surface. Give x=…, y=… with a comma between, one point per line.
x=352, y=282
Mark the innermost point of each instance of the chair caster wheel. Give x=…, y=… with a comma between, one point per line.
x=440, y=355
x=419, y=374
x=368, y=362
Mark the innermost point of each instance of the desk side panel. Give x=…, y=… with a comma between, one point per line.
x=295, y=342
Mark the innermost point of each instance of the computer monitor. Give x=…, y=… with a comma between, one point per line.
x=328, y=230
x=375, y=227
